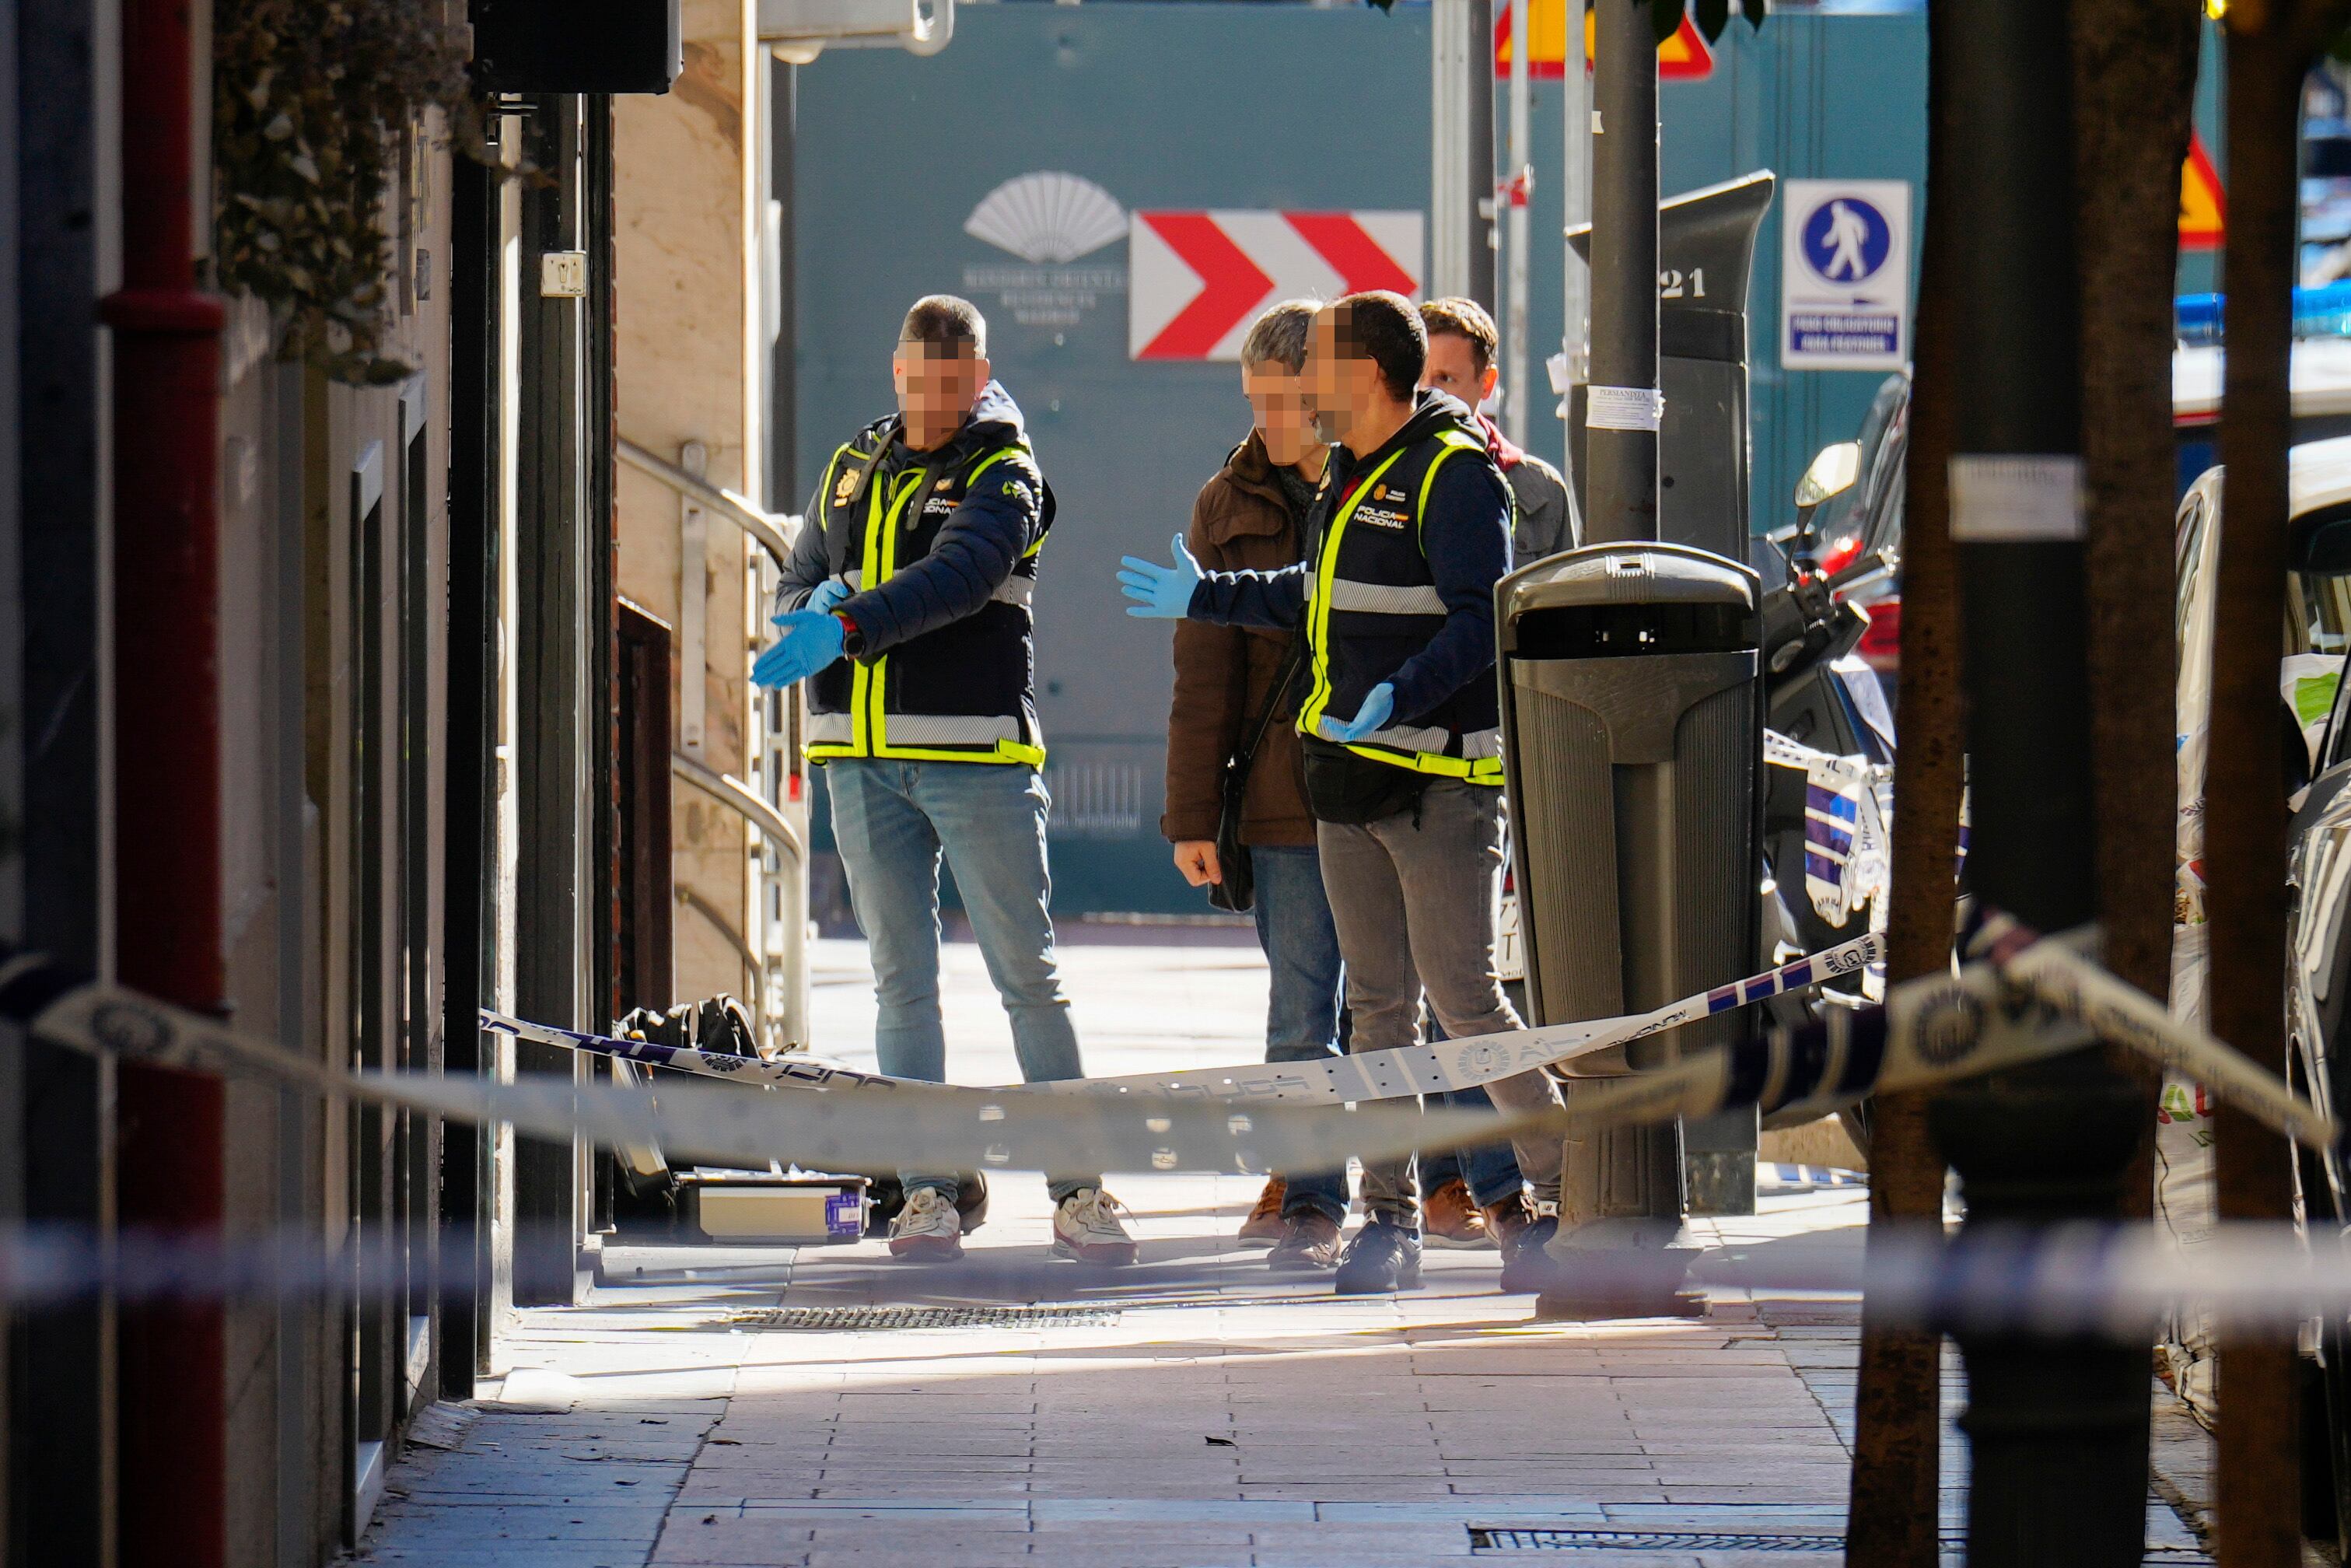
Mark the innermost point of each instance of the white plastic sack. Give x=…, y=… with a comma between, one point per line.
x=2185, y=1197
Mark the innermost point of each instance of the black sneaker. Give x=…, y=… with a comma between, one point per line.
x=1384, y=1257
x=1525, y=1265
x=1309, y=1241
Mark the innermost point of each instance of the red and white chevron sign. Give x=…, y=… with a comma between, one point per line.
x=1197, y=280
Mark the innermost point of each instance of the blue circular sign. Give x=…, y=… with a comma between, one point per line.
x=1847, y=240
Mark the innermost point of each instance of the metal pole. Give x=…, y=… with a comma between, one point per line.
x=2057, y=1428
x=1575, y=207
x=1521, y=395
x=1485, y=218
x=1622, y=1190
x=1621, y=439
x=173, y=1357
x=1450, y=206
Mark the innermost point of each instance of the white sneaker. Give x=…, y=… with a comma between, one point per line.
x=928, y=1229
x=1086, y=1226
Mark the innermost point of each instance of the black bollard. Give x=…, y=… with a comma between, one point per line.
x=2057, y=1426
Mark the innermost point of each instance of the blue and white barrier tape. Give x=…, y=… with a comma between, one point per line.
x=1339, y=1080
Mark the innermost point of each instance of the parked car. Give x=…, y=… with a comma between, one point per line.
x=2314, y=730
x=1868, y=519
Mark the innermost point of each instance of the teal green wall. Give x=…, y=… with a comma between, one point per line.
x=1190, y=106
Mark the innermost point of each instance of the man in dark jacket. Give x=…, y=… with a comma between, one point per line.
x=1472, y=1198
x=1250, y=517
x=908, y=601
x=1409, y=534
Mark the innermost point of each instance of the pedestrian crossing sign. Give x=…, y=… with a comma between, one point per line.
x=1845, y=274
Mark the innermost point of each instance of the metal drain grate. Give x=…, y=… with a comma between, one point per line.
x=1485, y=1538
x=1491, y=1538
x=893, y=1320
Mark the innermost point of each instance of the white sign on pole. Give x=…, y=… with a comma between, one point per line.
x=1845, y=274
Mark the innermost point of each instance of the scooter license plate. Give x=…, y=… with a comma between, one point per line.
x=1509, y=948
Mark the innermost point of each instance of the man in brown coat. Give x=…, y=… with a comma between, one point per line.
x=1249, y=518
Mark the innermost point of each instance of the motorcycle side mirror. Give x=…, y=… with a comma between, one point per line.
x=1832, y=473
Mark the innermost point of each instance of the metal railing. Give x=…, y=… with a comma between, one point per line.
x=733, y=938
x=733, y=792
x=773, y=944
x=774, y=530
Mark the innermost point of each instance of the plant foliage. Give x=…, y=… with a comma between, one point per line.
x=311, y=99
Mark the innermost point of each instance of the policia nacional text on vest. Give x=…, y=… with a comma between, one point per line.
x=1373, y=603
x=958, y=693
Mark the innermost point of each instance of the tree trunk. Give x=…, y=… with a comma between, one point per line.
x=1897, y=1403
x=2134, y=93
x=2270, y=46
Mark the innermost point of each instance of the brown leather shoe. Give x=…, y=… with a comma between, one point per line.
x=1263, y=1228
x=1508, y=1221
x=1449, y=1217
x=1309, y=1241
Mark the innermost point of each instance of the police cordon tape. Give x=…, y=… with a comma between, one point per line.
x=2081, y=1279
x=1339, y=1080
x=715, y=1123
x=2020, y=997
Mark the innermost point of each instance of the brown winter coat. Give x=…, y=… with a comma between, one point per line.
x=1223, y=674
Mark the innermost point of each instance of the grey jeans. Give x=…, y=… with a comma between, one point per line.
x=1413, y=898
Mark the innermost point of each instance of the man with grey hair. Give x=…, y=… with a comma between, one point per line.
x=1234, y=763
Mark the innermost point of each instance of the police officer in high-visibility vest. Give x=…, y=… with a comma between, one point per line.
x=1407, y=536
x=906, y=607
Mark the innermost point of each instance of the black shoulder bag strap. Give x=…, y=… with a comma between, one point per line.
x=1235, y=891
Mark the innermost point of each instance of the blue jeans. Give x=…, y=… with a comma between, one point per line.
x=1302, y=1016
x=893, y=821
x=1490, y=1171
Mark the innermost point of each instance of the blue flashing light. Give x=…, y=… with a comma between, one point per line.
x=2320, y=312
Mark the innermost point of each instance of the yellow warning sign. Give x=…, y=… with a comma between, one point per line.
x=2203, y=208
x=1682, y=58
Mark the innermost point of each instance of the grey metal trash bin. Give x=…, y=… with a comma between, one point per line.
x=1632, y=726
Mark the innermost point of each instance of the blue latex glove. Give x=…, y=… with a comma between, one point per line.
x=809, y=643
x=1163, y=592
x=1379, y=707
x=822, y=598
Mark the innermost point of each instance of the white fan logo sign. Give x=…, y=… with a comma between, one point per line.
x=1051, y=220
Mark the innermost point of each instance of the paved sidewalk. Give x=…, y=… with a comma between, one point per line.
x=1193, y=1412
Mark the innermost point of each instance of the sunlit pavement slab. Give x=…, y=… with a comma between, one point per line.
x=1191, y=1411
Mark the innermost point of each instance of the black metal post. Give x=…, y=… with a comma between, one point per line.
x=1484, y=217
x=2057, y=1428
x=470, y=844
x=1621, y=455
x=1622, y=1190
x=61, y=1451
x=552, y=654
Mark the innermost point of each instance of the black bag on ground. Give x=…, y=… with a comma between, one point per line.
x=1235, y=891
x=717, y=1024
x=1343, y=788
